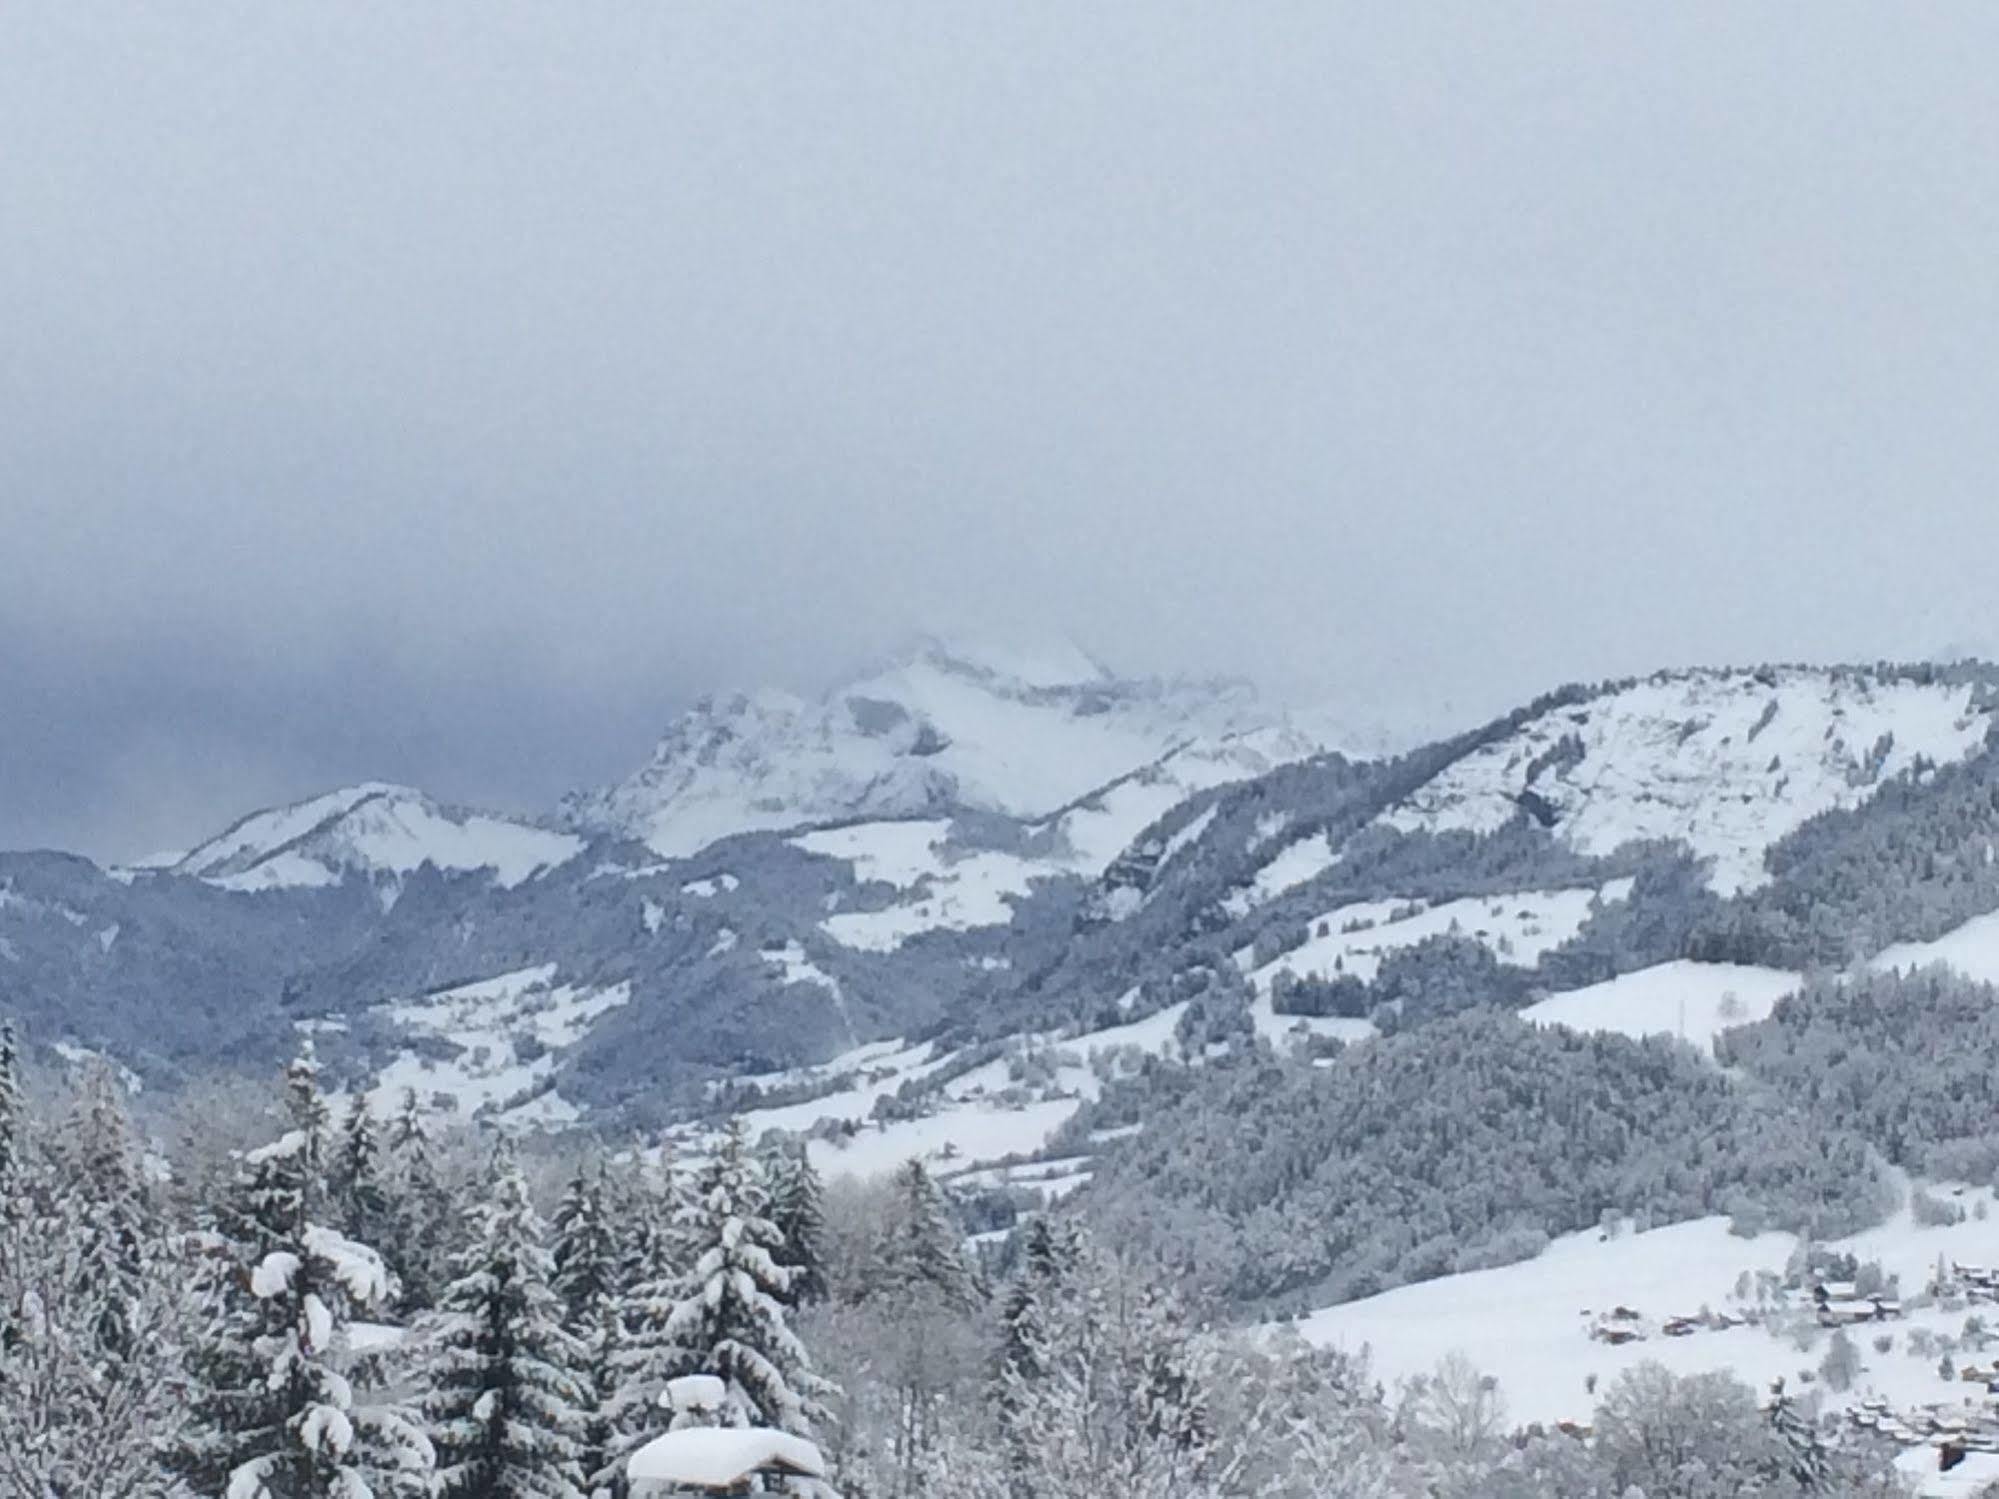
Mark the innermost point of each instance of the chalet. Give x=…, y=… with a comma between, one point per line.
x=1680, y=1327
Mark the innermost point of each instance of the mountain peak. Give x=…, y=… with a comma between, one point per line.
x=375, y=829
x=1016, y=728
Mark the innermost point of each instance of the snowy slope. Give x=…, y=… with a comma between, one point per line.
x=1527, y=1324
x=980, y=1117
x=1972, y=949
x=372, y=830
x=944, y=883
x=1518, y=928
x=482, y=1026
x=947, y=727
x=1728, y=761
x=1694, y=1001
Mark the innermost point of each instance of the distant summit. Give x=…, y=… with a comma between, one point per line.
x=375, y=830
x=948, y=725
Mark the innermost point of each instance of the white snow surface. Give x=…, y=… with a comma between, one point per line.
x=947, y=726
x=1518, y=927
x=718, y=1458
x=481, y=1022
x=375, y=830
x=1694, y=1001
x=1296, y=862
x=1689, y=755
x=1972, y=949
x=947, y=886
x=1526, y=1324
x=981, y=1117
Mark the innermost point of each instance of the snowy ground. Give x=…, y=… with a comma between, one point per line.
x=1972, y=949
x=1527, y=1324
x=983, y=1117
x=1518, y=927
x=947, y=887
x=484, y=1022
x=1694, y=1001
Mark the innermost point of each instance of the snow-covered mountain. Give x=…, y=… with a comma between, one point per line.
x=1725, y=762
x=374, y=830
x=947, y=728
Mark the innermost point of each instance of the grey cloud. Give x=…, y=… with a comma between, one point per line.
x=478, y=382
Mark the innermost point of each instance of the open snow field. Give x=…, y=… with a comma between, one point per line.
x=1694, y=1001
x=1518, y=927
x=977, y=1119
x=1527, y=1324
x=1972, y=949
x=481, y=1023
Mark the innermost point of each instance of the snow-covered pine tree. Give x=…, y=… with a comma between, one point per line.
x=274, y=1415
x=797, y=1207
x=13, y=1124
x=652, y=1219
x=76, y=1416
x=589, y=1278
x=105, y=1186
x=360, y=1196
x=586, y=1254
x=1026, y=1358
x=1810, y=1462
x=920, y=1249
x=726, y=1316
x=415, y=1241
x=506, y=1401
x=1116, y=1402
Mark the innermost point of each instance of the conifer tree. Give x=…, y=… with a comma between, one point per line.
x=358, y=1189
x=274, y=1415
x=13, y=1125
x=105, y=1187
x=921, y=1248
x=797, y=1207
x=416, y=1220
x=507, y=1404
x=726, y=1315
x=1810, y=1463
x=586, y=1255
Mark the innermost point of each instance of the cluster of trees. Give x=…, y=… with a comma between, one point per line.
x=1464, y=1143
x=222, y=1325
x=226, y=1328
x=1911, y=862
x=1909, y=1060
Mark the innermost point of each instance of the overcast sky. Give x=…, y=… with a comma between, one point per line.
x=447, y=393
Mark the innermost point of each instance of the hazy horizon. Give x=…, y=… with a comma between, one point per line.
x=451, y=396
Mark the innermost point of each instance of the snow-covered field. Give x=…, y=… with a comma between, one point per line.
x=1972, y=949
x=1528, y=1324
x=1729, y=762
x=1694, y=1001
x=1518, y=927
x=949, y=887
x=944, y=889
x=977, y=1119
x=483, y=1022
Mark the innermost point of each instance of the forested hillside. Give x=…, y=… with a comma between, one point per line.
x=1467, y=1143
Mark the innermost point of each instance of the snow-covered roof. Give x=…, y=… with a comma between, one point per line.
x=714, y=1457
